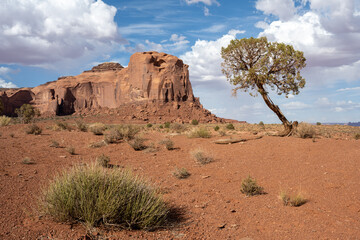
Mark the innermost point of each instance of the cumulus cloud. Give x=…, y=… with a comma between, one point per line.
x=206, y=2
x=295, y=105
x=284, y=9
x=337, y=106
x=4, y=84
x=205, y=61
x=206, y=11
x=4, y=70
x=37, y=32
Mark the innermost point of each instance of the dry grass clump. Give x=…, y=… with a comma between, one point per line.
x=201, y=132
x=295, y=200
x=99, y=196
x=33, y=129
x=54, y=144
x=103, y=160
x=71, y=150
x=250, y=187
x=181, y=173
x=137, y=143
x=128, y=132
x=4, y=120
x=61, y=126
x=305, y=130
x=177, y=127
x=97, y=128
x=113, y=136
x=99, y=144
x=169, y=144
x=201, y=157
x=81, y=126
x=357, y=136
x=27, y=161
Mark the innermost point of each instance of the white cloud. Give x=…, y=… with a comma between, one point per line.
x=205, y=61
x=348, y=89
x=4, y=70
x=214, y=28
x=295, y=105
x=37, y=32
x=4, y=84
x=206, y=11
x=206, y=2
x=144, y=29
x=284, y=9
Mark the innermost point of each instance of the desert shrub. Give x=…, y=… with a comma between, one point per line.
x=199, y=133
x=71, y=150
x=181, y=173
x=250, y=187
x=149, y=125
x=305, y=130
x=230, y=126
x=137, y=143
x=97, y=128
x=25, y=113
x=318, y=123
x=177, y=127
x=222, y=133
x=54, y=144
x=33, y=129
x=216, y=128
x=113, y=136
x=357, y=136
x=167, y=125
x=194, y=122
x=4, y=120
x=295, y=200
x=128, y=132
x=60, y=126
x=96, y=196
x=103, y=160
x=201, y=157
x=81, y=126
x=98, y=144
x=261, y=124
x=169, y=144
x=27, y=161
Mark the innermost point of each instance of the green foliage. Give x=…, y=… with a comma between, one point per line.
x=250, y=187
x=161, y=126
x=97, y=196
x=199, y=133
x=149, y=125
x=167, y=125
x=33, y=129
x=181, y=173
x=103, y=160
x=230, y=126
x=25, y=113
x=318, y=123
x=216, y=128
x=4, y=120
x=253, y=62
x=194, y=122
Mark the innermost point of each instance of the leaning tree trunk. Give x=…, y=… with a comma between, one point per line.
x=289, y=127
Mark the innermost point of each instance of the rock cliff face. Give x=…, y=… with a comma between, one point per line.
x=151, y=83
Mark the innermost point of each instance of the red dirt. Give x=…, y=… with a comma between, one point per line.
x=327, y=171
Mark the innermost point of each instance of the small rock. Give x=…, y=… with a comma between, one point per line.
x=204, y=177
x=221, y=226
x=62, y=156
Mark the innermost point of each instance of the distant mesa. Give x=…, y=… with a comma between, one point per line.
x=154, y=87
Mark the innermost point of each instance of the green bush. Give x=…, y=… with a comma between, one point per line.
x=25, y=113
x=167, y=125
x=161, y=126
x=250, y=187
x=230, y=126
x=199, y=133
x=194, y=122
x=216, y=128
x=4, y=120
x=318, y=123
x=149, y=125
x=97, y=196
x=33, y=129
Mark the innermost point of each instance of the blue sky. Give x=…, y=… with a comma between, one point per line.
x=41, y=40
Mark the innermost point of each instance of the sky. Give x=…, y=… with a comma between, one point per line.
x=41, y=40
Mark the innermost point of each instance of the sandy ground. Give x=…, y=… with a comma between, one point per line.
x=325, y=170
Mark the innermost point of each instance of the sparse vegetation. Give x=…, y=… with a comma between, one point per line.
x=99, y=144
x=103, y=160
x=71, y=150
x=295, y=200
x=128, y=132
x=216, y=128
x=181, y=173
x=305, y=130
x=99, y=196
x=167, y=125
x=28, y=161
x=201, y=132
x=357, y=136
x=61, y=126
x=113, y=136
x=161, y=126
x=33, y=129
x=261, y=124
x=177, y=127
x=81, y=126
x=149, y=125
x=250, y=187
x=4, y=120
x=54, y=144
x=318, y=123
x=201, y=157
x=230, y=126
x=97, y=128
x=194, y=122
x=222, y=133
x=169, y=144
x=137, y=143
x=25, y=113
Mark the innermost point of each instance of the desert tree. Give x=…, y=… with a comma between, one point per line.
x=255, y=65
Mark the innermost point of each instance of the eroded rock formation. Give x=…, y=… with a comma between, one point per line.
x=152, y=82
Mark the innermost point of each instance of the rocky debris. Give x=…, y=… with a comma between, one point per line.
x=154, y=86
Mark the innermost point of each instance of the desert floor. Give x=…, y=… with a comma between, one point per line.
x=325, y=169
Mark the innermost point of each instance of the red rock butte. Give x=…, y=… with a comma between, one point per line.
x=154, y=87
